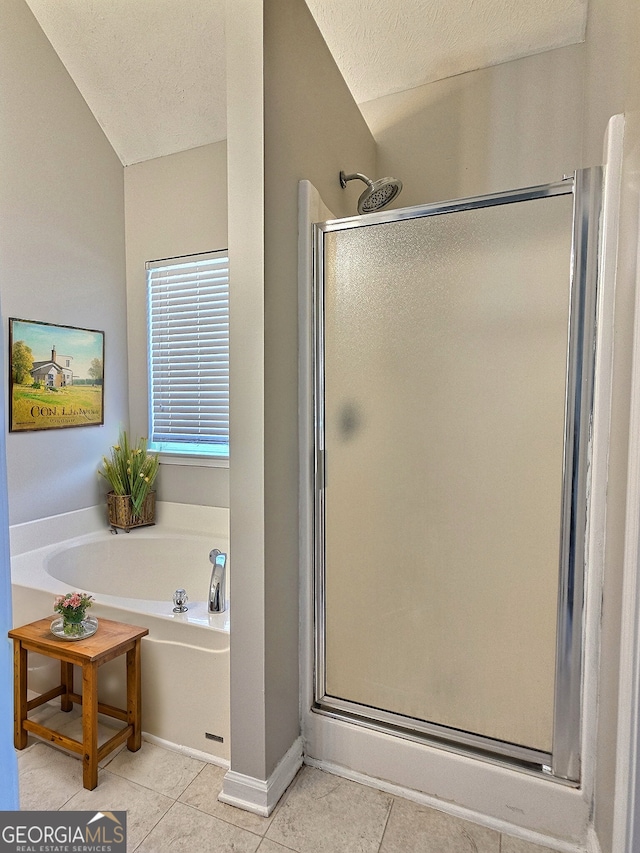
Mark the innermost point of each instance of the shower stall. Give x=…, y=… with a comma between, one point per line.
x=453, y=376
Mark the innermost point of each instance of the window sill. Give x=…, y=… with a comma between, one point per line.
x=193, y=460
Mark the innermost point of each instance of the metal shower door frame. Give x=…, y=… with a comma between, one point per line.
x=563, y=763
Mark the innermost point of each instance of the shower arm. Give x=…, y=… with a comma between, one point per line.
x=356, y=175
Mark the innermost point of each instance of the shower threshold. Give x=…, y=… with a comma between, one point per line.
x=518, y=757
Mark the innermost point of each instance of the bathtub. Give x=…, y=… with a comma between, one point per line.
x=132, y=576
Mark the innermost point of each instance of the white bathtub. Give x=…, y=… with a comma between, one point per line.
x=185, y=657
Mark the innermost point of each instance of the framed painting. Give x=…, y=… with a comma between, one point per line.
x=56, y=376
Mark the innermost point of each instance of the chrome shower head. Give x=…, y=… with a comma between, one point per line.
x=377, y=195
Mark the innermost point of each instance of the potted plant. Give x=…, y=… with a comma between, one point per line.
x=131, y=472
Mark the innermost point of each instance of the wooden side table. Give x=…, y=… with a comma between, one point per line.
x=111, y=640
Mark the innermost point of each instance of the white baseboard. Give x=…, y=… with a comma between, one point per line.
x=199, y=754
x=261, y=796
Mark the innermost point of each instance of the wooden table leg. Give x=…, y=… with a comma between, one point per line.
x=19, y=694
x=66, y=679
x=134, y=697
x=90, y=725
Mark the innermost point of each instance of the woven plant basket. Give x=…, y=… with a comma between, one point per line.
x=121, y=512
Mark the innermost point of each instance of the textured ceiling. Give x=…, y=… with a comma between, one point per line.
x=385, y=46
x=153, y=71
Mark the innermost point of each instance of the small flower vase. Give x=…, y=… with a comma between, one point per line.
x=72, y=608
x=73, y=625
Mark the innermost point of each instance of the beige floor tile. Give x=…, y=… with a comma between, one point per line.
x=48, y=778
x=48, y=710
x=203, y=792
x=268, y=846
x=144, y=807
x=49, y=714
x=517, y=845
x=70, y=724
x=186, y=830
x=327, y=814
x=164, y=771
x=320, y=813
x=417, y=829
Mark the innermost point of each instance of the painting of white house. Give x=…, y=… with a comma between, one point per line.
x=56, y=376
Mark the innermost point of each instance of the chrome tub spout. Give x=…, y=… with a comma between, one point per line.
x=218, y=585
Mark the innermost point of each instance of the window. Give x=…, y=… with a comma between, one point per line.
x=188, y=322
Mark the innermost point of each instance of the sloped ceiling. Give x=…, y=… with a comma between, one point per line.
x=153, y=71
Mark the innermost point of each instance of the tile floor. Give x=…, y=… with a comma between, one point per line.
x=171, y=803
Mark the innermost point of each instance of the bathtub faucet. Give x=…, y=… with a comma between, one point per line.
x=180, y=599
x=217, y=588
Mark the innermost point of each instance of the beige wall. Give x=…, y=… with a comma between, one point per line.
x=312, y=129
x=61, y=254
x=612, y=68
x=245, y=162
x=175, y=205
x=512, y=125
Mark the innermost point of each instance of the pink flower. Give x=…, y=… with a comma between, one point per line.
x=72, y=601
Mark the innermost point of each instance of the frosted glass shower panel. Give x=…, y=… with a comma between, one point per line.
x=445, y=352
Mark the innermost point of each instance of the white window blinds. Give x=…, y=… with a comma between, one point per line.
x=188, y=312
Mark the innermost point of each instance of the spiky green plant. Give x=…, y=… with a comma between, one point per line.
x=130, y=470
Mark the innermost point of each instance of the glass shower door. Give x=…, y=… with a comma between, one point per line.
x=443, y=342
